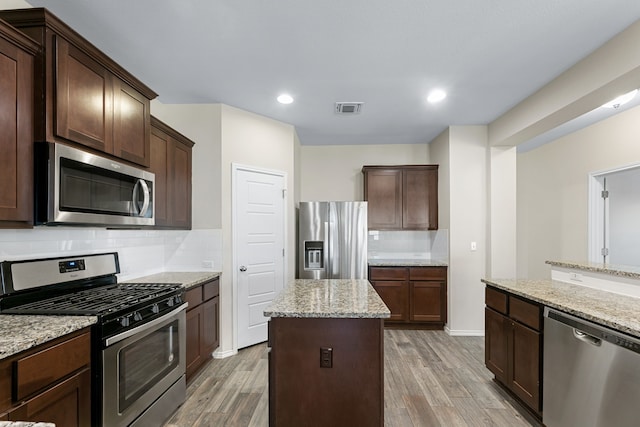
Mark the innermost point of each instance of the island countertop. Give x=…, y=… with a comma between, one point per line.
x=330, y=298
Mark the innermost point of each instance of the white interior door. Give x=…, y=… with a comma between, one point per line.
x=259, y=246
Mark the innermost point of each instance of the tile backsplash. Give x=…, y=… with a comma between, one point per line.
x=409, y=244
x=141, y=252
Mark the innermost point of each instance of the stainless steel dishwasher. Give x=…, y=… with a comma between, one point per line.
x=591, y=374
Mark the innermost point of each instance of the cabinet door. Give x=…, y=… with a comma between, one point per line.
x=158, y=165
x=180, y=181
x=420, y=199
x=395, y=295
x=16, y=134
x=383, y=192
x=131, y=124
x=66, y=404
x=194, y=340
x=524, y=364
x=496, y=344
x=211, y=332
x=428, y=302
x=83, y=98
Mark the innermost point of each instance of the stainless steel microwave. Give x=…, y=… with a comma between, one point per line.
x=74, y=187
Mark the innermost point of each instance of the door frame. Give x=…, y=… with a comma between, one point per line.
x=235, y=168
x=598, y=231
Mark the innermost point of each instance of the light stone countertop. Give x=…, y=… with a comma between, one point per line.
x=615, y=311
x=22, y=332
x=386, y=262
x=188, y=279
x=25, y=424
x=598, y=267
x=332, y=298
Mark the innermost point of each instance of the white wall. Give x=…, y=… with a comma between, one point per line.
x=552, y=204
x=334, y=172
x=501, y=244
x=461, y=152
x=251, y=140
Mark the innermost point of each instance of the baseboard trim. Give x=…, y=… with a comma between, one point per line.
x=464, y=333
x=224, y=354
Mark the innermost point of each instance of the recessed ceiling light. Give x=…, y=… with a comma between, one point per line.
x=285, y=99
x=436, y=95
x=621, y=100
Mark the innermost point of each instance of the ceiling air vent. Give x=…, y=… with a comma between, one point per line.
x=348, y=107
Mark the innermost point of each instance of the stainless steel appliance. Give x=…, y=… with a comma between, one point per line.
x=76, y=187
x=138, y=343
x=332, y=240
x=591, y=374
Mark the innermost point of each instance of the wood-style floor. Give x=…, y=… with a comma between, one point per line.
x=431, y=379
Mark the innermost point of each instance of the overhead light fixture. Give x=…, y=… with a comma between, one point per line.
x=436, y=95
x=285, y=99
x=621, y=100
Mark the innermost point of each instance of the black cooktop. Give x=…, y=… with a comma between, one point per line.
x=99, y=301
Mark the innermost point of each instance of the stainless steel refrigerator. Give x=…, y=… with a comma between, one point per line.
x=332, y=240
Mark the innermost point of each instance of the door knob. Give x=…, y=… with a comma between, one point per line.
x=243, y=268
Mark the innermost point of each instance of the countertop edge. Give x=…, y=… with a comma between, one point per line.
x=593, y=314
x=33, y=337
x=328, y=299
x=611, y=269
x=188, y=279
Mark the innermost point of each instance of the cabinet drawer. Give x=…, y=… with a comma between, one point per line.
x=525, y=312
x=39, y=370
x=211, y=289
x=388, y=273
x=496, y=300
x=427, y=273
x=194, y=297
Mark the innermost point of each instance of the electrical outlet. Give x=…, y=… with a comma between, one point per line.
x=576, y=277
x=326, y=357
x=207, y=264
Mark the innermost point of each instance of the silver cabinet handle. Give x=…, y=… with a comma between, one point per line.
x=243, y=268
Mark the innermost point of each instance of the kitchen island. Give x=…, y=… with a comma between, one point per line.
x=326, y=364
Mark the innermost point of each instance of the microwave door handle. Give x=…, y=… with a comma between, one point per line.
x=145, y=203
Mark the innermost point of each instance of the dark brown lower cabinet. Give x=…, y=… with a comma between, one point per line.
x=416, y=296
x=51, y=382
x=203, y=333
x=66, y=404
x=347, y=391
x=513, y=345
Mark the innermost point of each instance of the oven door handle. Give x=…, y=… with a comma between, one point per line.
x=142, y=328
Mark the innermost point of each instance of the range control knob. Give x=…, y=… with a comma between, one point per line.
x=155, y=309
x=124, y=321
x=170, y=302
x=178, y=299
x=137, y=316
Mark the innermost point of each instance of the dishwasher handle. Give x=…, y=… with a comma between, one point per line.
x=585, y=337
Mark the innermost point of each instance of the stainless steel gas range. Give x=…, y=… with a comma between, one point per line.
x=138, y=343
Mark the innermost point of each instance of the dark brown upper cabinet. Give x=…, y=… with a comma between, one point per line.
x=83, y=96
x=171, y=163
x=16, y=127
x=402, y=197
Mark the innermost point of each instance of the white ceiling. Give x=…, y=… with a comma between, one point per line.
x=488, y=55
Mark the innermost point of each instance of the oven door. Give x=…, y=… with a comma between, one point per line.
x=141, y=365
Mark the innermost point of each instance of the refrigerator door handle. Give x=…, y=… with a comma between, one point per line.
x=327, y=251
